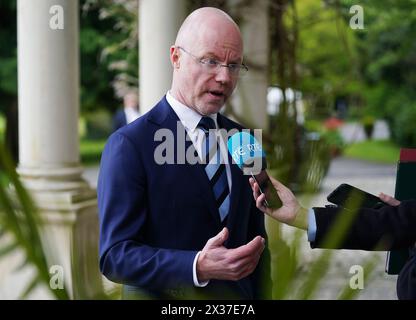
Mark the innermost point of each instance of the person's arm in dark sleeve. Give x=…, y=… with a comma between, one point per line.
x=122, y=198
x=391, y=227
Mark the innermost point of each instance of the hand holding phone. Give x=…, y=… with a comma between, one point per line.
x=351, y=197
x=279, y=202
x=266, y=187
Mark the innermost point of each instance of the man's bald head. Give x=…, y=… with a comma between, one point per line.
x=202, y=20
x=207, y=43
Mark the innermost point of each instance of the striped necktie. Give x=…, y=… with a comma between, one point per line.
x=214, y=167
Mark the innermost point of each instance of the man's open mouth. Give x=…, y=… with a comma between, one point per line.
x=217, y=93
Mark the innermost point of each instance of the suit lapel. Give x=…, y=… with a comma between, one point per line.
x=237, y=178
x=198, y=171
x=167, y=118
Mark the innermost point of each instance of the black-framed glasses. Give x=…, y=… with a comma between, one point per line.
x=213, y=66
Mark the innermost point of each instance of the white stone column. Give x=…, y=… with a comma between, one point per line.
x=250, y=97
x=159, y=21
x=48, y=63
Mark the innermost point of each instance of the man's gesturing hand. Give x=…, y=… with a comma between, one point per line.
x=218, y=262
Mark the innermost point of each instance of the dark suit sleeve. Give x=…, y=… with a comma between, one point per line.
x=383, y=229
x=122, y=197
x=406, y=282
x=261, y=277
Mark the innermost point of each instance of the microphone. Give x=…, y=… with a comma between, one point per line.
x=248, y=154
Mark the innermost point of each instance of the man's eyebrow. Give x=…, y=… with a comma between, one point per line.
x=213, y=55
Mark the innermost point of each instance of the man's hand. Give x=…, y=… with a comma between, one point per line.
x=217, y=262
x=388, y=199
x=290, y=212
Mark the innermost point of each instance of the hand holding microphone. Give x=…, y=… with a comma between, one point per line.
x=272, y=197
x=248, y=154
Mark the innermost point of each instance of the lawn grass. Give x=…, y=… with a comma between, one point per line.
x=381, y=151
x=90, y=151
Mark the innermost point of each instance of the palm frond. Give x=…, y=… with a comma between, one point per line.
x=7, y=249
x=22, y=265
x=36, y=280
x=3, y=231
x=21, y=219
x=348, y=291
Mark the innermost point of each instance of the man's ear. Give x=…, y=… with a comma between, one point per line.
x=174, y=57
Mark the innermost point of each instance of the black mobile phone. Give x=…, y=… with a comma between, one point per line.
x=350, y=197
x=266, y=187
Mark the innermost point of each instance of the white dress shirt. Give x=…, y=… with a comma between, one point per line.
x=190, y=119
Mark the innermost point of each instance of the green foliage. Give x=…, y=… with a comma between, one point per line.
x=111, y=39
x=8, y=49
x=334, y=141
x=313, y=52
x=98, y=125
x=303, y=169
x=331, y=137
x=403, y=129
x=326, y=56
x=284, y=259
x=2, y=127
x=21, y=229
x=97, y=75
x=368, y=123
x=348, y=293
x=8, y=54
x=398, y=109
x=108, y=52
x=315, y=164
x=368, y=120
x=388, y=62
x=91, y=151
x=19, y=217
x=8, y=74
x=388, y=50
x=381, y=151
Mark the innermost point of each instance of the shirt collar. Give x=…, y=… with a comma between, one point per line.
x=188, y=116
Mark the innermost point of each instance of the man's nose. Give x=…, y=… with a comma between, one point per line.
x=223, y=75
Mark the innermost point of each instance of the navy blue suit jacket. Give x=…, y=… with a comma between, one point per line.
x=155, y=218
